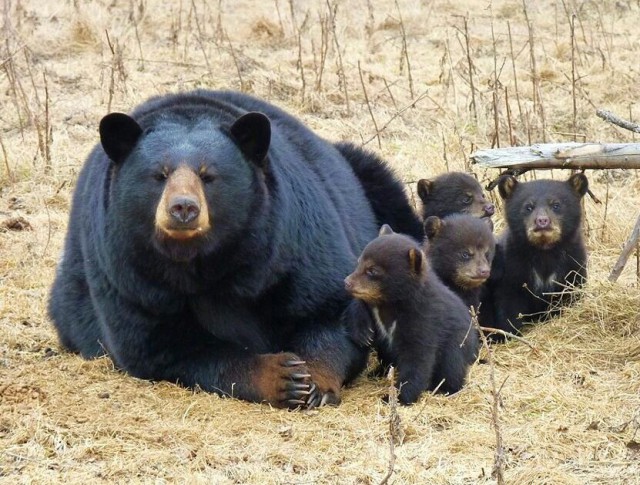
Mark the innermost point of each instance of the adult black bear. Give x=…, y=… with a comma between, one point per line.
x=540, y=256
x=453, y=193
x=422, y=327
x=208, y=240
x=461, y=248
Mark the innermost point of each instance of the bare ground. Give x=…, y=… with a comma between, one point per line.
x=570, y=411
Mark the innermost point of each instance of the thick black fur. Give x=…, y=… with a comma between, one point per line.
x=288, y=220
x=422, y=327
x=531, y=279
x=385, y=192
x=460, y=248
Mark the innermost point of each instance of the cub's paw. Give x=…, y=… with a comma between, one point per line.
x=283, y=380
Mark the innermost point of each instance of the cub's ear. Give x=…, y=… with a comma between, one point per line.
x=119, y=134
x=385, y=230
x=416, y=261
x=252, y=133
x=506, y=186
x=432, y=226
x=425, y=187
x=579, y=183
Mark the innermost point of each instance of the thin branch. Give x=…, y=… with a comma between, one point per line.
x=612, y=118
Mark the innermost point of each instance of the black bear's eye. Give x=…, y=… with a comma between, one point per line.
x=465, y=255
x=528, y=207
x=372, y=272
x=207, y=178
x=160, y=176
x=467, y=199
x=555, y=206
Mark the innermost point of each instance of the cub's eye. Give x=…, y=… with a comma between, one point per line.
x=207, y=178
x=555, y=206
x=372, y=272
x=528, y=207
x=465, y=255
x=467, y=199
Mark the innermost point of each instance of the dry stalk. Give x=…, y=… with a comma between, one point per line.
x=629, y=246
x=573, y=74
x=300, y=66
x=473, y=90
x=512, y=139
x=404, y=54
x=236, y=63
x=199, y=38
x=325, y=23
x=515, y=76
x=366, y=98
x=10, y=175
x=396, y=434
x=342, y=78
x=498, y=465
x=412, y=104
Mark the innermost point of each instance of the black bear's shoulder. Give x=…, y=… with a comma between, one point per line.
x=385, y=192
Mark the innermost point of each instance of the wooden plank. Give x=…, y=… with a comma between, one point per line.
x=570, y=155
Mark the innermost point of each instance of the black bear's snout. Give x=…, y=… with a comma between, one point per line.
x=184, y=209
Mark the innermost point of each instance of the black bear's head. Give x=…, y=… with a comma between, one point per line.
x=190, y=181
x=543, y=213
x=391, y=268
x=453, y=193
x=460, y=248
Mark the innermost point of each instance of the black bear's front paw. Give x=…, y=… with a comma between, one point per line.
x=283, y=380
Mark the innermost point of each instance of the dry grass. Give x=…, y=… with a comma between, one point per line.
x=570, y=413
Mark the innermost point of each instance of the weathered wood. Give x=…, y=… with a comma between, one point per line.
x=578, y=156
x=616, y=120
x=629, y=246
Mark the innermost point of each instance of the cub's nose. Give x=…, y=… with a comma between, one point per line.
x=348, y=284
x=489, y=209
x=542, y=222
x=184, y=209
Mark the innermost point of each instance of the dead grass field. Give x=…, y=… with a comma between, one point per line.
x=569, y=414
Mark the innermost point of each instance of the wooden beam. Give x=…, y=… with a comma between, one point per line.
x=576, y=156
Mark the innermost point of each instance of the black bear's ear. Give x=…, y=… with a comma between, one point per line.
x=432, y=226
x=119, y=133
x=385, y=230
x=424, y=188
x=506, y=185
x=416, y=261
x=579, y=183
x=252, y=133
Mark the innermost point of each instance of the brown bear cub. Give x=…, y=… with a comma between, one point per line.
x=541, y=255
x=461, y=248
x=452, y=193
x=421, y=327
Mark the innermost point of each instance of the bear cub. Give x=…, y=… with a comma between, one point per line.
x=541, y=255
x=421, y=326
x=461, y=248
x=451, y=193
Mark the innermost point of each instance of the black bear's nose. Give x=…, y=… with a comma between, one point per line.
x=484, y=272
x=184, y=209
